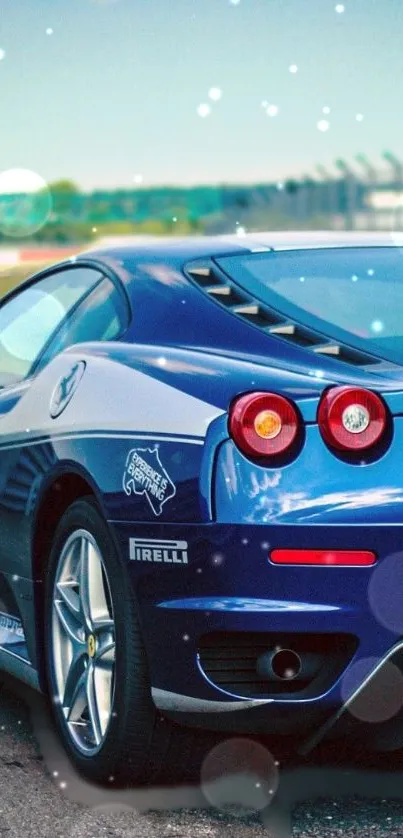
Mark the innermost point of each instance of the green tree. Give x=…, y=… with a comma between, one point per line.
x=64, y=187
x=63, y=193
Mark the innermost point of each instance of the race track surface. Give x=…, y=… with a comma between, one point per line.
x=40, y=795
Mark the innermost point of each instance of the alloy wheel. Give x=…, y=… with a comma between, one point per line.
x=83, y=642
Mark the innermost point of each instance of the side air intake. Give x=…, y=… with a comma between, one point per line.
x=217, y=285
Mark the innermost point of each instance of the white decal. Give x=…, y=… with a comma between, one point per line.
x=10, y=625
x=158, y=551
x=145, y=475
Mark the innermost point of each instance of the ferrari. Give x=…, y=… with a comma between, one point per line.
x=201, y=491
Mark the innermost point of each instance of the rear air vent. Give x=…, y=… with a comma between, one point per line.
x=296, y=334
x=344, y=353
x=217, y=285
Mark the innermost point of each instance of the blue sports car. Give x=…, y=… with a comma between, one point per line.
x=201, y=490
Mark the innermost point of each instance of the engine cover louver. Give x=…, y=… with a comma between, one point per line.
x=208, y=277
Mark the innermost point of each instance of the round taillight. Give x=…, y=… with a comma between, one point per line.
x=263, y=424
x=351, y=419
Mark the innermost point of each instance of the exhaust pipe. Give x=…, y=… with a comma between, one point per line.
x=281, y=665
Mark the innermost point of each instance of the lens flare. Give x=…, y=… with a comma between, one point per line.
x=25, y=203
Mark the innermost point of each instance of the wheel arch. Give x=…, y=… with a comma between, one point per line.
x=63, y=487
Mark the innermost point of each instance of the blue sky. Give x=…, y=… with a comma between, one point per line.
x=114, y=90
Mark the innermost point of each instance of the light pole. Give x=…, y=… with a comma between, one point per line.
x=329, y=186
x=351, y=192
x=370, y=180
x=397, y=168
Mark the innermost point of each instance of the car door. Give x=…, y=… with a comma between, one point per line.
x=35, y=323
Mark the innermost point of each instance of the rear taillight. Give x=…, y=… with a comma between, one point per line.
x=263, y=424
x=351, y=419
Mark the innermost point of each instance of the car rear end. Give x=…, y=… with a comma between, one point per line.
x=294, y=595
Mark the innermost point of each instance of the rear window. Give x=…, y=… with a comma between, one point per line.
x=353, y=295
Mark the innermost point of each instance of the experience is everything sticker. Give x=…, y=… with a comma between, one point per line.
x=145, y=475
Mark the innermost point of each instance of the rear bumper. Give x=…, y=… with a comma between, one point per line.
x=227, y=585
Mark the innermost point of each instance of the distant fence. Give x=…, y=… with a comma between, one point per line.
x=354, y=196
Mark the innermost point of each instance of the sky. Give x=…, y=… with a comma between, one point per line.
x=108, y=92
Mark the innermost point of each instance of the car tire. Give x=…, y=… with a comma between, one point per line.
x=138, y=746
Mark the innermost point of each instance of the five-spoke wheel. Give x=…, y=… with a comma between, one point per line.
x=83, y=641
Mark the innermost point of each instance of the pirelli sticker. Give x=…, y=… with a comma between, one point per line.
x=158, y=551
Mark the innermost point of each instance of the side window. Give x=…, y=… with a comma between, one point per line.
x=31, y=316
x=102, y=316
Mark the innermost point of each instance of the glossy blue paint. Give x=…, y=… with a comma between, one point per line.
x=229, y=510
x=229, y=585
x=263, y=606
x=317, y=488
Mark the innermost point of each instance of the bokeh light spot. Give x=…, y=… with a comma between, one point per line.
x=203, y=110
x=381, y=698
x=323, y=125
x=25, y=202
x=385, y=593
x=239, y=777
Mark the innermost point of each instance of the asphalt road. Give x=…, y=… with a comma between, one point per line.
x=40, y=795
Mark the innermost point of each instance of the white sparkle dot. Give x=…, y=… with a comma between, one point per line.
x=111, y=779
x=293, y=68
x=240, y=231
x=323, y=125
x=203, y=110
x=339, y=8
x=234, y=2
x=272, y=110
x=280, y=186
x=245, y=541
x=265, y=103
x=94, y=229
x=174, y=218
x=302, y=279
x=370, y=272
x=162, y=362
x=199, y=570
x=377, y=326
x=215, y=93
x=186, y=638
x=2, y=54
x=359, y=117
x=55, y=773
x=326, y=109
x=49, y=31
x=63, y=785
x=138, y=178
x=15, y=578
x=354, y=277
x=319, y=374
